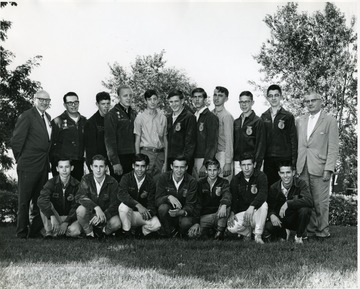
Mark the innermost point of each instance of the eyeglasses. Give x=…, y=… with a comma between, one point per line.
x=44, y=100
x=273, y=95
x=311, y=100
x=245, y=102
x=73, y=103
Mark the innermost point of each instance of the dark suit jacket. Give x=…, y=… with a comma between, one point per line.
x=30, y=141
x=321, y=150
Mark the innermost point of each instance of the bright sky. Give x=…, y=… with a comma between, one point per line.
x=213, y=42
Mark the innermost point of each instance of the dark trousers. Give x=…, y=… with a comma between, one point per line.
x=29, y=186
x=296, y=220
x=169, y=224
x=77, y=172
x=271, y=168
x=126, y=162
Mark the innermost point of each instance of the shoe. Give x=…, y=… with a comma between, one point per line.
x=219, y=236
x=258, y=239
x=127, y=235
x=298, y=240
x=48, y=237
x=98, y=232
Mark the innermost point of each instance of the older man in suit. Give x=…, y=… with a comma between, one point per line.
x=30, y=144
x=318, y=148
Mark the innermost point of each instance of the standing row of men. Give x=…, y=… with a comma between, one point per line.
x=120, y=133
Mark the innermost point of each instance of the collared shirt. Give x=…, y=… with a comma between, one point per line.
x=177, y=184
x=174, y=117
x=274, y=113
x=47, y=123
x=284, y=190
x=98, y=185
x=139, y=183
x=311, y=123
x=211, y=184
x=198, y=112
x=152, y=128
x=226, y=134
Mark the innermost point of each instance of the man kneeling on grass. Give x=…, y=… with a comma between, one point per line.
x=214, y=200
x=249, y=190
x=290, y=205
x=97, y=196
x=57, y=203
x=175, y=199
x=137, y=197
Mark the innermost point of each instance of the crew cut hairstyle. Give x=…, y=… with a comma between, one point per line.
x=149, y=93
x=246, y=93
x=102, y=96
x=140, y=158
x=222, y=89
x=122, y=87
x=274, y=87
x=201, y=90
x=70, y=93
x=175, y=92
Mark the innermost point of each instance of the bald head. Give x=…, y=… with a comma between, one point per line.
x=42, y=100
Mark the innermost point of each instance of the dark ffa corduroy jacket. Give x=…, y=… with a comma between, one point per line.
x=119, y=133
x=130, y=195
x=245, y=194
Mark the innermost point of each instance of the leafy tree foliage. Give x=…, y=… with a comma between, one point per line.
x=16, y=92
x=316, y=52
x=149, y=72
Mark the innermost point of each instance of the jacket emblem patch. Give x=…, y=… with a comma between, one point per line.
x=249, y=130
x=144, y=195
x=281, y=124
x=218, y=191
x=254, y=189
x=201, y=126
x=178, y=126
x=70, y=197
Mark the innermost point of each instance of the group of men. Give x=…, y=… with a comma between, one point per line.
x=195, y=174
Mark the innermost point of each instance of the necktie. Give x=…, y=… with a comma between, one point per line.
x=43, y=118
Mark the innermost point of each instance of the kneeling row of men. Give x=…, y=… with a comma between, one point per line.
x=177, y=204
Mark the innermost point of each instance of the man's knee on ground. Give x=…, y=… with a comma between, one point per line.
x=123, y=209
x=163, y=210
x=184, y=224
x=73, y=231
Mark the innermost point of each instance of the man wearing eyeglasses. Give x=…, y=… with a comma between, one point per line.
x=30, y=144
x=281, y=137
x=68, y=136
x=318, y=149
x=249, y=133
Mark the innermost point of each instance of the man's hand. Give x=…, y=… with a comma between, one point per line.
x=63, y=227
x=144, y=212
x=232, y=219
x=222, y=211
x=176, y=213
x=202, y=172
x=326, y=176
x=194, y=231
x=275, y=221
x=55, y=224
x=248, y=215
x=227, y=170
x=174, y=202
x=283, y=210
x=101, y=218
x=118, y=169
x=164, y=167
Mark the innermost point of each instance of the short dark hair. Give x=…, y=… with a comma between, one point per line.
x=274, y=87
x=246, y=93
x=285, y=163
x=179, y=158
x=201, y=90
x=63, y=159
x=175, y=92
x=247, y=156
x=122, y=87
x=149, y=93
x=212, y=162
x=98, y=157
x=70, y=93
x=140, y=158
x=222, y=90
x=102, y=96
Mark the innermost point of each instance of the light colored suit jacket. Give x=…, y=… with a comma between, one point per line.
x=30, y=141
x=321, y=150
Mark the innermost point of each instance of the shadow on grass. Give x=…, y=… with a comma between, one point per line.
x=330, y=263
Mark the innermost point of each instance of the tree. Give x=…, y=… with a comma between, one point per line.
x=316, y=52
x=16, y=93
x=149, y=72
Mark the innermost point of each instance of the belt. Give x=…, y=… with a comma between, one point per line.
x=154, y=150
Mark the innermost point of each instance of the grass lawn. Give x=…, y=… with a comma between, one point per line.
x=176, y=263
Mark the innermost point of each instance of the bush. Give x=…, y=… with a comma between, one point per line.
x=343, y=210
x=8, y=207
